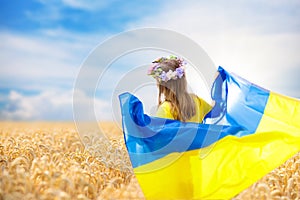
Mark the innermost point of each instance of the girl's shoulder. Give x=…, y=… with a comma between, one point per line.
x=201, y=102
x=196, y=98
x=166, y=106
x=164, y=110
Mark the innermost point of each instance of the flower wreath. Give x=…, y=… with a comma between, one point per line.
x=160, y=75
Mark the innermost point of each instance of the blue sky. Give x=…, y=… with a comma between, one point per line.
x=44, y=43
x=79, y=16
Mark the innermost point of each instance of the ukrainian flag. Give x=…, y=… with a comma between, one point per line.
x=253, y=132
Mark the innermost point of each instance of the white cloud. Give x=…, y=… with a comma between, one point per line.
x=45, y=105
x=41, y=61
x=46, y=64
x=257, y=40
x=89, y=108
x=48, y=105
x=87, y=4
x=51, y=11
x=40, y=71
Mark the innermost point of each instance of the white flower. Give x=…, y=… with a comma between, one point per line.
x=169, y=74
x=174, y=75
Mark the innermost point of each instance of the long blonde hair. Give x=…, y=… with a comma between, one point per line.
x=175, y=92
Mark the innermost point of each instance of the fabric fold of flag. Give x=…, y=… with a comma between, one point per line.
x=254, y=131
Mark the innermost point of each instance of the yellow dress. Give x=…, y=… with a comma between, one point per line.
x=202, y=108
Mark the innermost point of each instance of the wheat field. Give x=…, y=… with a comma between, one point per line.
x=48, y=161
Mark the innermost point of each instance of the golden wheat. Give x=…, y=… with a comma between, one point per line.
x=49, y=161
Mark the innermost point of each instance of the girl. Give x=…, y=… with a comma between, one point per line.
x=174, y=102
